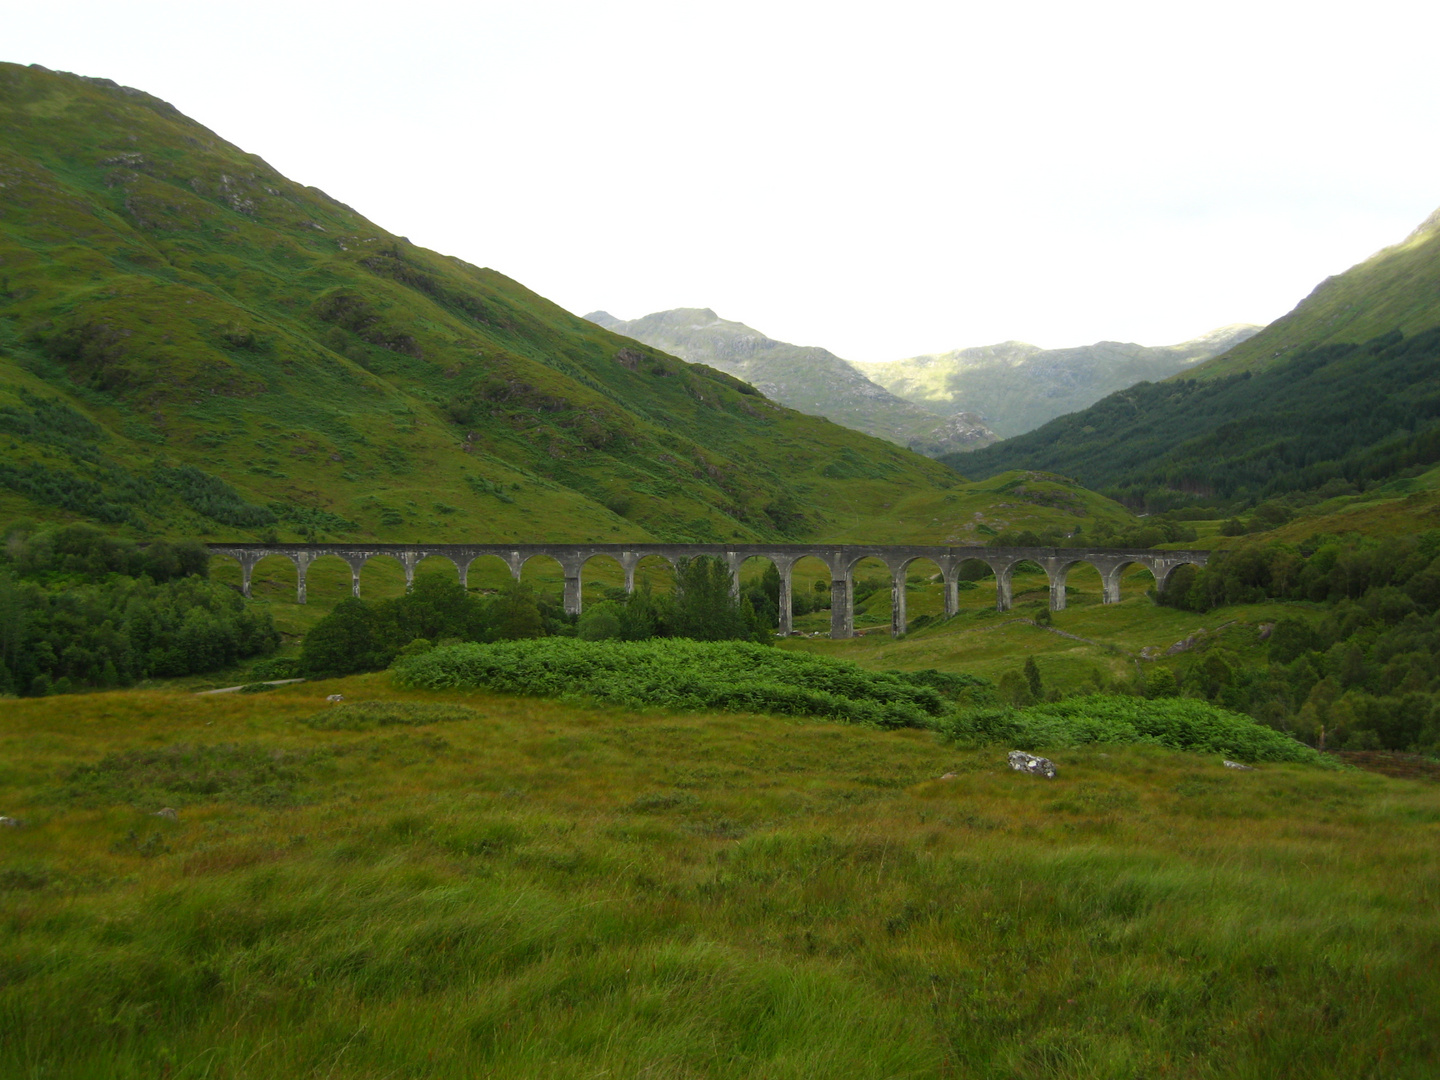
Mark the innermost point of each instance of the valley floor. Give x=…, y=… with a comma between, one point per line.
x=548, y=889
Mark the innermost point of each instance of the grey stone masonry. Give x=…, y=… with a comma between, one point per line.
x=841, y=560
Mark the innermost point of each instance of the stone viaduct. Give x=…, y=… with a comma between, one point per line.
x=841, y=560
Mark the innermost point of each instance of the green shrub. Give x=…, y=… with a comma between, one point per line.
x=211, y=496
x=678, y=673
x=276, y=667
x=344, y=642
x=73, y=636
x=1179, y=723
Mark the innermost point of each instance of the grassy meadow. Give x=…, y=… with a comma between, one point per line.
x=466, y=884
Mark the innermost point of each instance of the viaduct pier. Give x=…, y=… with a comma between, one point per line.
x=840, y=559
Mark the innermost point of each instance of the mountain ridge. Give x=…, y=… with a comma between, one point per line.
x=1397, y=288
x=982, y=379
x=805, y=377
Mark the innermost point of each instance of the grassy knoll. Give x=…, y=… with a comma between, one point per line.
x=517, y=887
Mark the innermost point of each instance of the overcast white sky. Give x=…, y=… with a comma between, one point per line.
x=879, y=179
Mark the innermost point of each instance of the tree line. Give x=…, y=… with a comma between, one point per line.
x=80, y=609
x=1357, y=666
x=360, y=635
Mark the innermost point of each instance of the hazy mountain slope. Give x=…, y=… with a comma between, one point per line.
x=810, y=379
x=1017, y=387
x=1397, y=288
x=190, y=342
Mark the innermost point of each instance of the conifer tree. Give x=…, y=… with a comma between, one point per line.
x=1032, y=679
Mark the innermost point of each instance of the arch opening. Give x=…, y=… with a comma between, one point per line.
x=1166, y=580
x=1127, y=580
x=655, y=572
x=602, y=577
x=918, y=595
x=327, y=578
x=1023, y=582
x=767, y=586
x=548, y=577
x=869, y=596
x=976, y=588
x=488, y=575
x=810, y=596
x=383, y=577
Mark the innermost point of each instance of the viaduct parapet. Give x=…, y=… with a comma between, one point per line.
x=841, y=559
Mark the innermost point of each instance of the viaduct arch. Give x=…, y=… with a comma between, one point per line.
x=840, y=558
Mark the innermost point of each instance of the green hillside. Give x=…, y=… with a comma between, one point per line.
x=1017, y=387
x=810, y=379
x=192, y=344
x=1320, y=412
x=1345, y=415
x=1395, y=289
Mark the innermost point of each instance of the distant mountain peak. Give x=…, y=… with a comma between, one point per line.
x=808, y=378
x=1017, y=386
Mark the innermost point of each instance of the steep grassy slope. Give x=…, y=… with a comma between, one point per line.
x=191, y=343
x=1397, y=288
x=1017, y=387
x=810, y=379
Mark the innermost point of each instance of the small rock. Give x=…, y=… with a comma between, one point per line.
x=168, y=813
x=1029, y=763
x=10, y=823
x=335, y=699
x=1237, y=765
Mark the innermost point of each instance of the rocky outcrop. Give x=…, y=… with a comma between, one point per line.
x=1020, y=761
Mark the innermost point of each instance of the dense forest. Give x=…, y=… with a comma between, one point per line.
x=1357, y=666
x=1335, y=419
x=80, y=609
